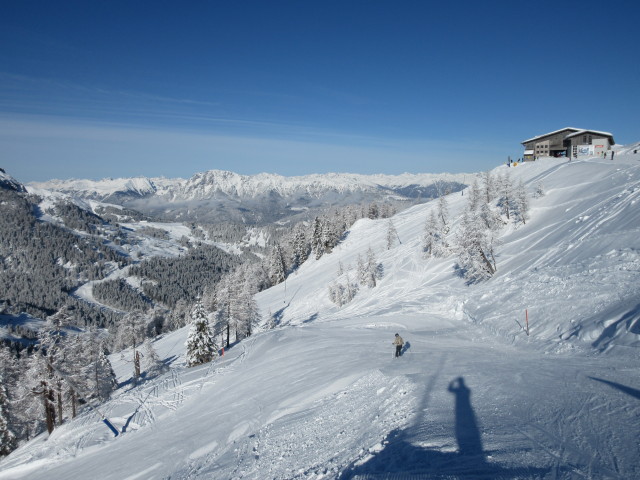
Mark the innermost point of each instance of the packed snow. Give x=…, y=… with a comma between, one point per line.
x=320, y=396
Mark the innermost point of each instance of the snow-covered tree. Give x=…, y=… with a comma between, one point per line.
x=331, y=232
x=475, y=197
x=521, y=203
x=178, y=317
x=277, y=266
x=336, y=293
x=317, y=243
x=443, y=214
x=300, y=248
x=151, y=363
x=374, y=211
x=392, y=235
x=343, y=290
x=490, y=217
x=361, y=269
x=428, y=236
x=130, y=334
x=488, y=187
x=40, y=386
x=434, y=240
x=21, y=402
x=201, y=345
x=539, y=192
x=103, y=377
x=476, y=259
x=505, y=194
x=7, y=437
x=372, y=269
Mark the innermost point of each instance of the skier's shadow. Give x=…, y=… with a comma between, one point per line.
x=401, y=455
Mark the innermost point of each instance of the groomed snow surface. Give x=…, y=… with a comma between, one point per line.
x=321, y=396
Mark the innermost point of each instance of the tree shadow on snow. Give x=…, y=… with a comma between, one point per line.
x=311, y=318
x=401, y=458
x=623, y=388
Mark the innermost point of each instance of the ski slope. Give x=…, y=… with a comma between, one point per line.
x=321, y=397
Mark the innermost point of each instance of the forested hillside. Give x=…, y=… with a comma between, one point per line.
x=82, y=276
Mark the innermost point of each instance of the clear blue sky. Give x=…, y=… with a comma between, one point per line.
x=94, y=89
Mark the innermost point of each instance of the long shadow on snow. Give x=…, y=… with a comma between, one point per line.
x=623, y=388
x=402, y=459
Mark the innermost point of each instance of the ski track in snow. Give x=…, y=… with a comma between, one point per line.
x=384, y=415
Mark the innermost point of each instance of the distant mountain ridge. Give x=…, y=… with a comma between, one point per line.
x=218, y=195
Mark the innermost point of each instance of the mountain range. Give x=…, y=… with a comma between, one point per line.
x=218, y=195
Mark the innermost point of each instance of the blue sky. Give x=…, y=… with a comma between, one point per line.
x=123, y=88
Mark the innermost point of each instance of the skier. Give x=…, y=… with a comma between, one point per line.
x=398, y=342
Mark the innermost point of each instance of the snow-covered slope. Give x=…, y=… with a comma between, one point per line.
x=574, y=266
x=320, y=396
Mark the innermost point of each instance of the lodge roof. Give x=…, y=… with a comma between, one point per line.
x=572, y=129
x=573, y=132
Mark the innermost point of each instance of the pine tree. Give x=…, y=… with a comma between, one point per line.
x=201, y=346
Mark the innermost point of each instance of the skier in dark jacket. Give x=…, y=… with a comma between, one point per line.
x=398, y=342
